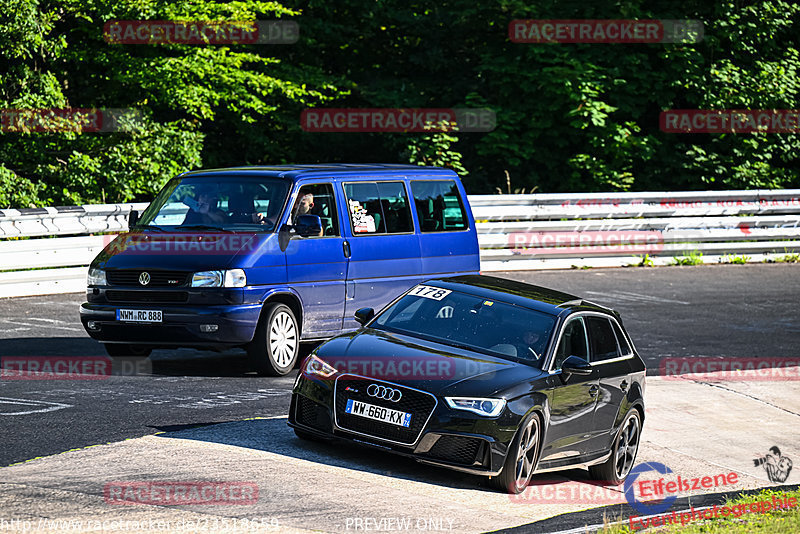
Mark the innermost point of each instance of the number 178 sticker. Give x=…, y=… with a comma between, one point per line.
x=429, y=292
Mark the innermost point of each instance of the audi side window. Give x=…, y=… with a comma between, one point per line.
x=603, y=340
x=439, y=206
x=624, y=347
x=573, y=343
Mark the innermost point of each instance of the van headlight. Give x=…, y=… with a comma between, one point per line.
x=486, y=407
x=229, y=278
x=96, y=277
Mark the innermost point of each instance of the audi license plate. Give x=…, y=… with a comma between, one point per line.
x=378, y=413
x=139, y=316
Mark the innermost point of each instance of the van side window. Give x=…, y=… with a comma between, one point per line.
x=317, y=199
x=439, y=206
x=378, y=207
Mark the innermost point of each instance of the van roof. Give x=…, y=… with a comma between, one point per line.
x=295, y=172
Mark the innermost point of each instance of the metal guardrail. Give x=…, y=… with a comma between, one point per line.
x=515, y=232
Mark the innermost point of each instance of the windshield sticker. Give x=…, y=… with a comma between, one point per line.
x=433, y=293
x=488, y=303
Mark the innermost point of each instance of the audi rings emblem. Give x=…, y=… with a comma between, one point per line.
x=382, y=392
x=144, y=278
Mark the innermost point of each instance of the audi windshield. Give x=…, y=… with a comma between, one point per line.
x=217, y=203
x=468, y=321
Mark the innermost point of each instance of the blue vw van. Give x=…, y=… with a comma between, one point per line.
x=266, y=257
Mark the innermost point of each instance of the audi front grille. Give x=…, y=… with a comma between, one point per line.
x=419, y=404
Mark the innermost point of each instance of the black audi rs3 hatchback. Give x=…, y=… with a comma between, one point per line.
x=483, y=375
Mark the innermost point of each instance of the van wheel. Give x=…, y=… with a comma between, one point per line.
x=122, y=350
x=274, y=348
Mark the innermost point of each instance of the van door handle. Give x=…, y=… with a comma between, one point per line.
x=346, y=248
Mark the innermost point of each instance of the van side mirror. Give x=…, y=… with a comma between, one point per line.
x=284, y=235
x=364, y=315
x=575, y=365
x=133, y=218
x=308, y=226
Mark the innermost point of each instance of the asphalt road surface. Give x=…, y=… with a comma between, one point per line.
x=702, y=311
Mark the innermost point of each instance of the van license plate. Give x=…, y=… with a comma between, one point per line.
x=378, y=413
x=139, y=316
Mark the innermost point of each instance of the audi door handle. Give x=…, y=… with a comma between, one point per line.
x=593, y=391
x=624, y=385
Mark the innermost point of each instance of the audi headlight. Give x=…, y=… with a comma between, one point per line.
x=229, y=278
x=486, y=407
x=316, y=367
x=96, y=277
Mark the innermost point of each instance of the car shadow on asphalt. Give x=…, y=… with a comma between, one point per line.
x=274, y=436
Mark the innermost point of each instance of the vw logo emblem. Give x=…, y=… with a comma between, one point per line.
x=144, y=278
x=382, y=392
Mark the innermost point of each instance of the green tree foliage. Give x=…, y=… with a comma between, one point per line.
x=195, y=103
x=570, y=117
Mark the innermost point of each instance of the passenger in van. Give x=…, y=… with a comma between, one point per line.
x=303, y=206
x=203, y=209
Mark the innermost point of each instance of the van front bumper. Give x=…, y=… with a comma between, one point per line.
x=180, y=325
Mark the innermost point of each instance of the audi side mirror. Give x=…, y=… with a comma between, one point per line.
x=364, y=315
x=575, y=366
x=133, y=218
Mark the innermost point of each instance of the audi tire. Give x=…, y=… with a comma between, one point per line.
x=521, y=459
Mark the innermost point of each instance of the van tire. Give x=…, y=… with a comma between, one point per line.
x=274, y=349
x=125, y=350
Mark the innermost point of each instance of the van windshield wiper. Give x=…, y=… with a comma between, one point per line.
x=204, y=227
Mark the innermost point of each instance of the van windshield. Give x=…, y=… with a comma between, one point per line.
x=217, y=203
